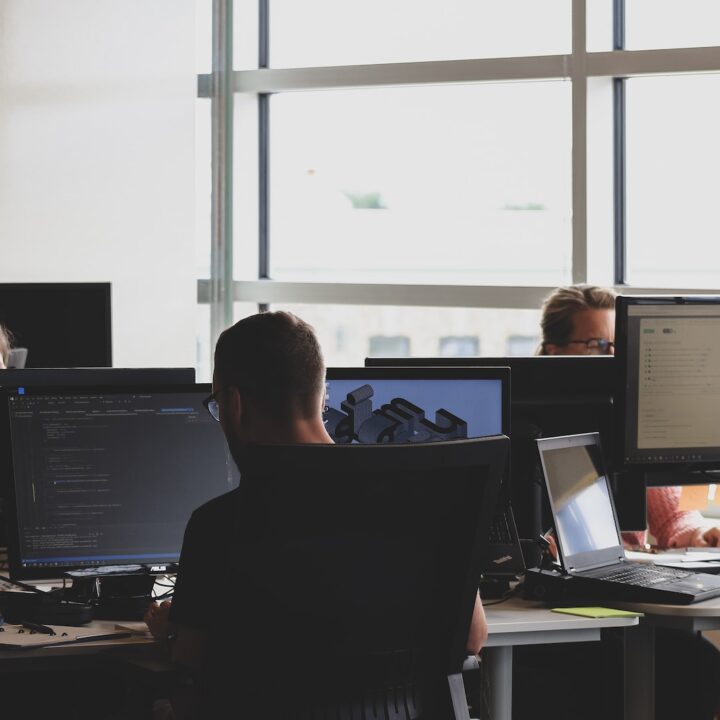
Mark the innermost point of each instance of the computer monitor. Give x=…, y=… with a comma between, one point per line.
x=398, y=405
x=550, y=396
x=60, y=324
x=72, y=377
x=668, y=355
x=37, y=377
x=108, y=476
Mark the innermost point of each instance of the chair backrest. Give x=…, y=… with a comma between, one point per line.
x=353, y=565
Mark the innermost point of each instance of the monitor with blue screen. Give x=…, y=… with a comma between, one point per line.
x=395, y=405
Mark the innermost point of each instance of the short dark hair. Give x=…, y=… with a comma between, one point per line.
x=561, y=305
x=275, y=358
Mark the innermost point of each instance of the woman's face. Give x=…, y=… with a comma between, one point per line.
x=588, y=325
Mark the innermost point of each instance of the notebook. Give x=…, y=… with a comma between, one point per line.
x=588, y=535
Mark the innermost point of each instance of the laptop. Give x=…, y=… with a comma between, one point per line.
x=588, y=535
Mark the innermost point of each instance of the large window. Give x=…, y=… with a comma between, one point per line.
x=416, y=178
x=455, y=184
x=673, y=228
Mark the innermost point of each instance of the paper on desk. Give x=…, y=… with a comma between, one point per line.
x=597, y=612
x=691, y=555
x=18, y=637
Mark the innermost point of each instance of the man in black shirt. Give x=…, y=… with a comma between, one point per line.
x=268, y=387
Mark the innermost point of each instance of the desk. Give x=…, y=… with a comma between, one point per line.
x=60, y=681
x=640, y=646
x=10, y=659
x=525, y=622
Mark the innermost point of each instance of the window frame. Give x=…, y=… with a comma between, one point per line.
x=221, y=86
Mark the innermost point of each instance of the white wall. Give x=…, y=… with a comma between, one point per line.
x=97, y=107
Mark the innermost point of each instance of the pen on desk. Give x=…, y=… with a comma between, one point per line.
x=37, y=627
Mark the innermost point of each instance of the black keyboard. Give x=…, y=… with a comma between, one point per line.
x=500, y=530
x=643, y=576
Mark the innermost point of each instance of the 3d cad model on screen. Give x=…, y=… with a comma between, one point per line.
x=398, y=421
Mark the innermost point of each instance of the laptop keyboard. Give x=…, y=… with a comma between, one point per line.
x=644, y=576
x=500, y=530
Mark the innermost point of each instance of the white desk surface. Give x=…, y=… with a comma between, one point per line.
x=522, y=622
x=706, y=608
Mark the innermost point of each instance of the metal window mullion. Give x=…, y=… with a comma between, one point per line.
x=579, y=142
x=267, y=80
x=221, y=252
x=263, y=149
x=619, y=153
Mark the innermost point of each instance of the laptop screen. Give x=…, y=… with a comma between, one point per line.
x=580, y=498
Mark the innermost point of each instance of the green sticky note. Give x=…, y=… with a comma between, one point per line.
x=597, y=612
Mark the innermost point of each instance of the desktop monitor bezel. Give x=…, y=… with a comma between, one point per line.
x=16, y=568
x=432, y=373
x=626, y=451
x=97, y=296
x=547, y=391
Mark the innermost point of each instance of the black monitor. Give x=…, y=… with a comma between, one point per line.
x=398, y=405
x=60, y=324
x=550, y=396
x=37, y=377
x=108, y=476
x=668, y=355
x=73, y=377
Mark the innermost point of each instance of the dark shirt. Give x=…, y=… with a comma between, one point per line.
x=204, y=560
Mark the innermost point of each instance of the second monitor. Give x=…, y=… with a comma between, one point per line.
x=397, y=405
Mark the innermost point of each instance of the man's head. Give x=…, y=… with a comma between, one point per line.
x=5, y=342
x=269, y=380
x=578, y=320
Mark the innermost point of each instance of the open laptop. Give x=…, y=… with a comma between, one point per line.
x=588, y=535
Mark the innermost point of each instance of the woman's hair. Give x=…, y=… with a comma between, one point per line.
x=560, y=307
x=5, y=344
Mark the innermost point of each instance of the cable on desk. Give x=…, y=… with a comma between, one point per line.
x=507, y=595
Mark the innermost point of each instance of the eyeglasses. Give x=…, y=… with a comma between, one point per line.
x=212, y=405
x=595, y=346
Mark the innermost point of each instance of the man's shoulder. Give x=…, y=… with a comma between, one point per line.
x=218, y=508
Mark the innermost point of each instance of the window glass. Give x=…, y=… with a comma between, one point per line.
x=245, y=33
x=328, y=32
x=461, y=184
x=346, y=332
x=672, y=158
x=245, y=188
x=98, y=158
x=203, y=36
x=389, y=345
x=203, y=186
x=459, y=346
x=669, y=23
x=599, y=25
x=203, y=348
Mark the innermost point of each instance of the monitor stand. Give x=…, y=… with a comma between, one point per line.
x=114, y=596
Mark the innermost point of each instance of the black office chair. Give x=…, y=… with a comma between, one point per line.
x=353, y=580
